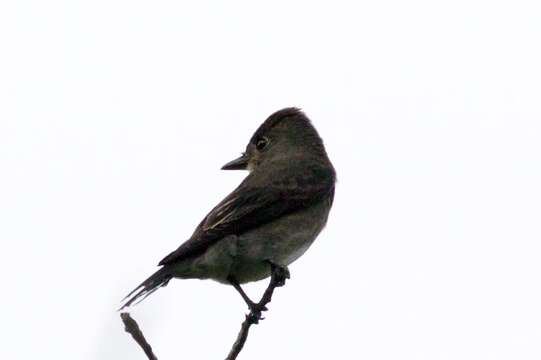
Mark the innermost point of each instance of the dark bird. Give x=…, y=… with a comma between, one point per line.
x=269, y=220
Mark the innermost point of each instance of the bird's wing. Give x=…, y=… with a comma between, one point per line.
x=252, y=205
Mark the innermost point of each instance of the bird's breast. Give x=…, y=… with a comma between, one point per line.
x=281, y=241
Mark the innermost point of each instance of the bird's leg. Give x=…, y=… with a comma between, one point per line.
x=251, y=305
x=279, y=274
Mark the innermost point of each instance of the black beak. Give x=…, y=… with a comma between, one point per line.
x=240, y=163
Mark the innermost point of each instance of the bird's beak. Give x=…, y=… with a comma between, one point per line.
x=240, y=163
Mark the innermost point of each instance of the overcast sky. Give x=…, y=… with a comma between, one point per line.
x=115, y=117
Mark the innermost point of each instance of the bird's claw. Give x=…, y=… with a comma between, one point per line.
x=256, y=307
x=255, y=312
x=254, y=316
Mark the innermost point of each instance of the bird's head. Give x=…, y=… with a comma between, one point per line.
x=285, y=135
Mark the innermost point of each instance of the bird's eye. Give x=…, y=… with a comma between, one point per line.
x=261, y=143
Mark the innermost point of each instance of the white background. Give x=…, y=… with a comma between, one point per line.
x=115, y=117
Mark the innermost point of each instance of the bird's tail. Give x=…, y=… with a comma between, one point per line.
x=154, y=282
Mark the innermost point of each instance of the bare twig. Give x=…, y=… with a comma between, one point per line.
x=131, y=327
x=278, y=278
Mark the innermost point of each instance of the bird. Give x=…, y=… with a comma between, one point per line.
x=268, y=221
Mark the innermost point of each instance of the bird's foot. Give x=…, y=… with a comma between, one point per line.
x=256, y=310
x=257, y=307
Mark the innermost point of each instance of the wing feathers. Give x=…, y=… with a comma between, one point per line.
x=251, y=205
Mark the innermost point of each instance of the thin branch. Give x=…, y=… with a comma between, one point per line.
x=278, y=278
x=131, y=327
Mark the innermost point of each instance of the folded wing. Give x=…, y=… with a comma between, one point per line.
x=251, y=205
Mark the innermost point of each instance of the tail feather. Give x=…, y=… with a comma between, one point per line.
x=154, y=282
